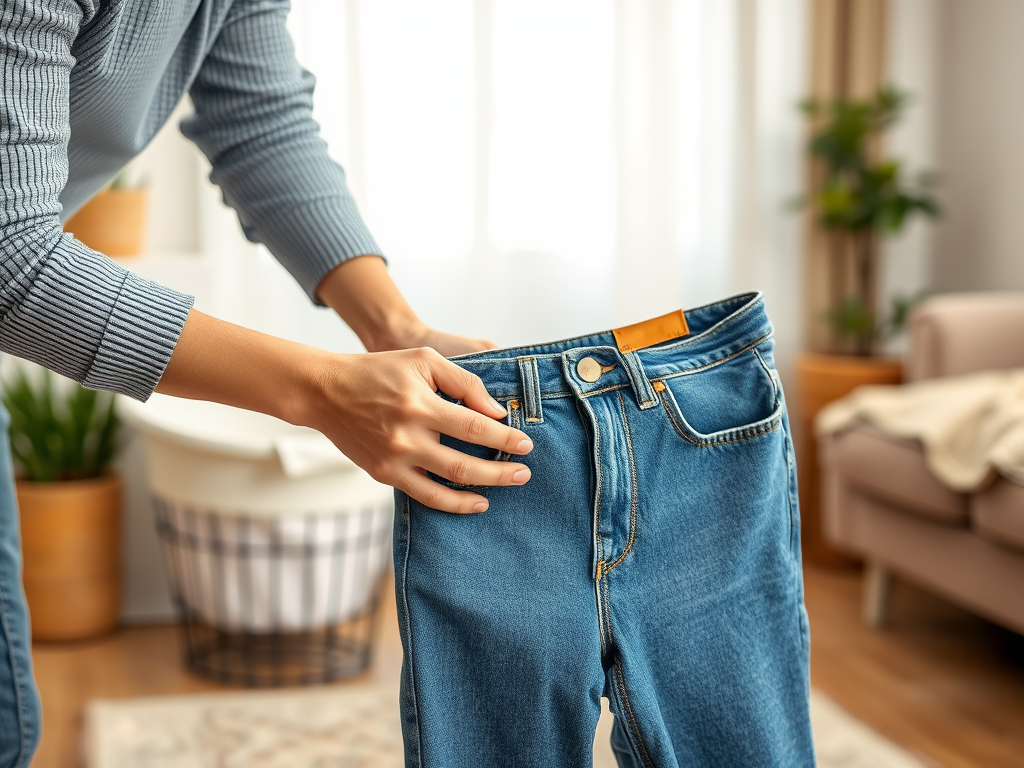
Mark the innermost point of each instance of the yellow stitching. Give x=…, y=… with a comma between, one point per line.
x=597, y=471
x=633, y=494
x=600, y=569
x=602, y=391
x=773, y=425
x=725, y=359
x=659, y=385
x=632, y=716
x=513, y=404
x=607, y=614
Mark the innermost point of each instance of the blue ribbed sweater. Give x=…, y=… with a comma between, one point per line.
x=86, y=84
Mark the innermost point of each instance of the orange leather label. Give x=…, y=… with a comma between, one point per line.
x=650, y=332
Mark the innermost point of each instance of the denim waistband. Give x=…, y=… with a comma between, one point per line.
x=532, y=373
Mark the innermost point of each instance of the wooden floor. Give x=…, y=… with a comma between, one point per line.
x=944, y=684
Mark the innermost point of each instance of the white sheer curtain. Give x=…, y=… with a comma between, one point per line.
x=536, y=169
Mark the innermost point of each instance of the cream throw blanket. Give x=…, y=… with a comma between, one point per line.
x=971, y=427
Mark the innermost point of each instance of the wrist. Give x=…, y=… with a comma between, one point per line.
x=307, y=384
x=397, y=332
x=361, y=291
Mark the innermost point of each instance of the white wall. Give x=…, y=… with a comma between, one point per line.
x=913, y=56
x=980, y=241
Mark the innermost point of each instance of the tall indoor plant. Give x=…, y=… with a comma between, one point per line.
x=63, y=440
x=857, y=196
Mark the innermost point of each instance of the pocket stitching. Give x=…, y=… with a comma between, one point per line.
x=732, y=434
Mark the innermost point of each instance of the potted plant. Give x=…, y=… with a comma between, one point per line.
x=63, y=439
x=113, y=222
x=858, y=196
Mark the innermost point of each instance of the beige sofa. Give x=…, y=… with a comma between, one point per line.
x=881, y=502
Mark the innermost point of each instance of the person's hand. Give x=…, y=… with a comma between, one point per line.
x=361, y=291
x=382, y=410
x=446, y=344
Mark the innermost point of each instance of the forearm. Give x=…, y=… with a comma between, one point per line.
x=216, y=360
x=363, y=294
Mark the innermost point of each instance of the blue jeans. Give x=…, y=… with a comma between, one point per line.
x=653, y=558
x=19, y=700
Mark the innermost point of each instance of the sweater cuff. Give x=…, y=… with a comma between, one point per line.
x=140, y=334
x=312, y=239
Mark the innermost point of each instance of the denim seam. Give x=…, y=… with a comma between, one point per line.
x=724, y=323
x=789, y=494
x=408, y=629
x=15, y=677
x=769, y=371
x=606, y=615
x=633, y=501
x=731, y=356
x=741, y=434
x=552, y=395
x=601, y=391
x=531, y=390
x=750, y=302
x=646, y=756
x=608, y=640
x=596, y=515
x=544, y=396
x=598, y=493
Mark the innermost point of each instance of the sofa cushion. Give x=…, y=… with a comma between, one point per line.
x=894, y=470
x=998, y=513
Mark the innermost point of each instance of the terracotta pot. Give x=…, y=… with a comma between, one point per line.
x=71, y=540
x=112, y=222
x=820, y=380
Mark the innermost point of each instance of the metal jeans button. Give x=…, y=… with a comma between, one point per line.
x=589, y=369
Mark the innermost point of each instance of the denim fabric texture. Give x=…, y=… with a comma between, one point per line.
x=653, y=559
x=20, y=717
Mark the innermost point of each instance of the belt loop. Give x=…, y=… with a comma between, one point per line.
x=645, y=396
x=531, y=390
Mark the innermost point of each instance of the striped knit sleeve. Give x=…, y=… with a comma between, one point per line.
x=253, y=120
x=61, y=304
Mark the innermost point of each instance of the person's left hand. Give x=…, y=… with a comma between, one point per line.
x=447, y=344
x=360, y=290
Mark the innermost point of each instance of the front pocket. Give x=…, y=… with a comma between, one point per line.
x=737, y=399
x=478, y=451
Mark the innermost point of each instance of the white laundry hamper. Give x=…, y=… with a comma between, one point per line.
x=275, y=544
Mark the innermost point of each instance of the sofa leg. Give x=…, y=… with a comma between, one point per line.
x=877, y=589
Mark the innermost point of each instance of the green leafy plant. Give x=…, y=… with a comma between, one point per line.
x=858, y=198
x=59, y=433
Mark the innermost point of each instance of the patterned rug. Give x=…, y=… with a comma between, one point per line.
x=349, y=727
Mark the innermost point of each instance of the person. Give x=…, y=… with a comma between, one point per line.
x=86, y=85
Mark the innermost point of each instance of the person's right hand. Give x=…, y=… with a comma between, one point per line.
x=381, y=409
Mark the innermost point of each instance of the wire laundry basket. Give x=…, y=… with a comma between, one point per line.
x=275, y=545
x=275, y=601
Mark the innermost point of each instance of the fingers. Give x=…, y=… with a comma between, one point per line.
x=437, y=496
x=465, y=386
x=469, y=470
x=471, y=427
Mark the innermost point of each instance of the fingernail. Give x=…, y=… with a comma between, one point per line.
x=525, y=446
x=521, y=476
x=499, y=407
x=481, y=506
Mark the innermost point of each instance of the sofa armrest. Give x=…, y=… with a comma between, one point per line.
x=962, y=333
